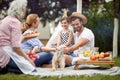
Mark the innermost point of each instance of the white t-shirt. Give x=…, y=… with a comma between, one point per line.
x=88, y=34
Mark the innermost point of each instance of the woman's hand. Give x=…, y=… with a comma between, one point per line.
x=53, y=49
x=31, y=61
x=21, y=53
x=47, y=49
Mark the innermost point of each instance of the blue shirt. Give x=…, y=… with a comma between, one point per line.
x=31, y=43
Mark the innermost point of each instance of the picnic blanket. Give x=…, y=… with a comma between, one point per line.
x=88, y=70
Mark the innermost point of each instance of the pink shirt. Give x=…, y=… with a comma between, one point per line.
x=10, y=35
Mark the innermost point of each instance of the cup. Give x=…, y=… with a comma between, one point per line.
x=96, y=49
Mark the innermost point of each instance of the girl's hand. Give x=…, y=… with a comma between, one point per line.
x=66, y=50
x=62, y=46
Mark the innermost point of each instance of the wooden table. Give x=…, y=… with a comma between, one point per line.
x=78, y=62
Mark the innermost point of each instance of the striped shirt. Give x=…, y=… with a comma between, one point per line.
x=10, y=33
x=31, y=43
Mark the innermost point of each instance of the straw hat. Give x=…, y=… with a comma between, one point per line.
x=77, y=14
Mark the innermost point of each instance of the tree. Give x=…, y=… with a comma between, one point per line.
x=105, y=9
x=116, y=15
x=116, y=25
x=49, y=10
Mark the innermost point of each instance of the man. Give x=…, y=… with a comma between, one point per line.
x=83, y=38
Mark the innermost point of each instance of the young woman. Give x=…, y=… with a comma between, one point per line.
x=29, y=26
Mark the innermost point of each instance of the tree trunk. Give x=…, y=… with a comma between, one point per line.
x=115, y=37
x=79, y=6
x=116, y=25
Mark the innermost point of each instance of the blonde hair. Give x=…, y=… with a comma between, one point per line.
x=31, y=18
x=16, y=8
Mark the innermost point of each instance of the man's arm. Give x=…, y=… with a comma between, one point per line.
x=80, y=43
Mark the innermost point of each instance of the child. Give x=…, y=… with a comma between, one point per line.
x=65, y=36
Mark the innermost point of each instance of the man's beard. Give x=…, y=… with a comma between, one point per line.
x=79, y=29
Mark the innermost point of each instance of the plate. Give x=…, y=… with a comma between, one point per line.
x=31, y=35
x=104, y=59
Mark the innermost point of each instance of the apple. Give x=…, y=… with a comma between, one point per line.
x=101, y=55
x=97, y=56
x=106, y=54
x=93, y=58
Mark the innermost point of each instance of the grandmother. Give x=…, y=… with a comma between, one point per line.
x=12, y=56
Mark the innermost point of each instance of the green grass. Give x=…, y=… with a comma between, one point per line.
x=96, y=77
x=11, y=76
x=117, y=61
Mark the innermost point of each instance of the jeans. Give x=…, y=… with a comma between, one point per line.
x=72, y=54
x=44, y=58
x=3, y=70
x=12, y=67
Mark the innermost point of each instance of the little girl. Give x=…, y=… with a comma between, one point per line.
x=65, y=36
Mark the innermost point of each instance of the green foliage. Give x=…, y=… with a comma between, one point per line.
x=103, y=33
x=101, y=22
x=49, y=10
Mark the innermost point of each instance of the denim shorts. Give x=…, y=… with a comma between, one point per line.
x=72, y=54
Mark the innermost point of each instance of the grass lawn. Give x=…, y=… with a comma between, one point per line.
x=11, y=76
